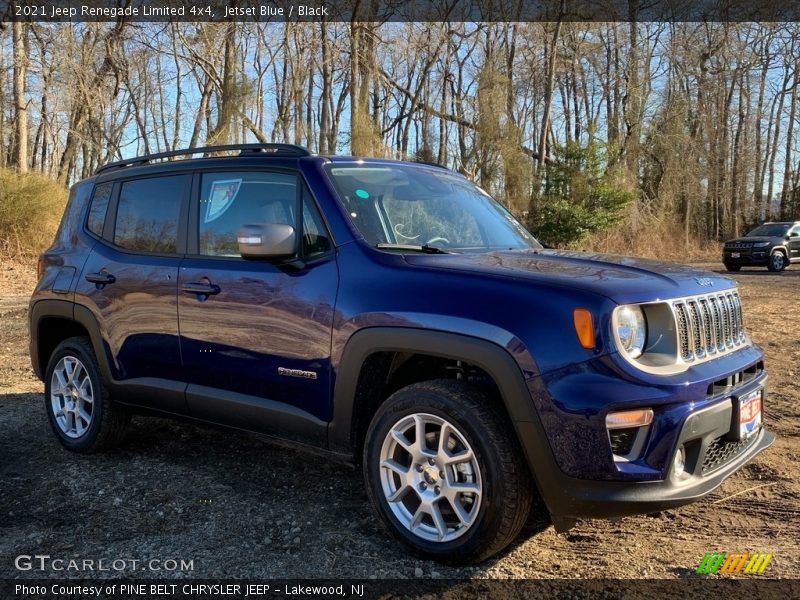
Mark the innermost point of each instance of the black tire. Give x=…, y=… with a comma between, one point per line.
x=507, y=487
x=109, y=421
x=777, y=261
x=733, y=268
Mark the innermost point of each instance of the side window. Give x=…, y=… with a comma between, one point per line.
x=98, y=208
x=148, y=212
x=315, y=236
x=230, y=200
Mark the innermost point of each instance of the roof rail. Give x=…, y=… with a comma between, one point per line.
x=244, y=149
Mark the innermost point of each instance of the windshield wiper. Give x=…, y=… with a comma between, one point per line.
x=425, y=248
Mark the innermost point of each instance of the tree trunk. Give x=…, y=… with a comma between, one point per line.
x=20, y=158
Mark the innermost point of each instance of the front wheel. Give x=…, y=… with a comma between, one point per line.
x=81, y=414
x=733, y=268
x=777, y=262
x=444, y=472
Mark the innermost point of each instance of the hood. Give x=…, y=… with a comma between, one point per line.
x=619, y=278
x=754, y=239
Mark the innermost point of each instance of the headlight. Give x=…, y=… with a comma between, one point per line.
x=760, y=244
x=630, y=329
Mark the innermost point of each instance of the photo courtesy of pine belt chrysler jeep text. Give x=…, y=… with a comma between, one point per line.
x=393, y=315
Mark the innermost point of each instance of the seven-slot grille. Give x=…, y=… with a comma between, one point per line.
x=709, y=325
x=739, y=246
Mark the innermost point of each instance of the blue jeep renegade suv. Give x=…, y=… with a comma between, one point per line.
x=394, y=315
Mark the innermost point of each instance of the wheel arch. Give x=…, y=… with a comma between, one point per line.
x=53, y=321
x=486, y=355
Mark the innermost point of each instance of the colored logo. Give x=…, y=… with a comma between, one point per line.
x=722, y=562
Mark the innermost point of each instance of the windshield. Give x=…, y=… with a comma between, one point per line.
x=769, y=230
x=424, y=207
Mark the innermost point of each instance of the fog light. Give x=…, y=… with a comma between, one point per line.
x=679, y=462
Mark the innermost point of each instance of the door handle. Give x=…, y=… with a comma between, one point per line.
x=201, y=289
x=100, y=279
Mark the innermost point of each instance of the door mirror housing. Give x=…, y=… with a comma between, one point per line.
x=267, y=241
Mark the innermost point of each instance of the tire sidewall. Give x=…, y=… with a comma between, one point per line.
x=405, y=403
x=89, y=437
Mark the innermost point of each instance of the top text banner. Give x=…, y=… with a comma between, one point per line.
x=400, y=10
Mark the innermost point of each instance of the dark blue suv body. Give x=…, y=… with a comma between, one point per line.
x=393, y=315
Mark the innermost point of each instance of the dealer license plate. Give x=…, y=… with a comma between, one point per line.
x=750, y=414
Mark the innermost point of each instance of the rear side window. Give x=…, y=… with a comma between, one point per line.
x=98, y=208
x=148, y=212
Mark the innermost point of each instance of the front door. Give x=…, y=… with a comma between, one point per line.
x=256, y=335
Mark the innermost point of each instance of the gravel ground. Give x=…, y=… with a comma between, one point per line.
x=239, y=507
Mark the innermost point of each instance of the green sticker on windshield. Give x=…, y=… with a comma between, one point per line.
x=363, y=194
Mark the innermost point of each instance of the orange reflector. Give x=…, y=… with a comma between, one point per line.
x=629, y=418
x=584, y=327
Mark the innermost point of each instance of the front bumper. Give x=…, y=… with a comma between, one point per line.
x=711, y=457
x=754, y=257
x=568, y=497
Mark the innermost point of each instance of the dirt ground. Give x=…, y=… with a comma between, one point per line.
x=239, y=507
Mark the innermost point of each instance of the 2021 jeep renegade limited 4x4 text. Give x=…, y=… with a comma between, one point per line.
x=394, y=315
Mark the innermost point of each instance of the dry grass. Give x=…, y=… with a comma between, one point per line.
x=651, y=236
x=30, y=210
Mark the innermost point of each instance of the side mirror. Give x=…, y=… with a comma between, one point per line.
x=794, y=234
x=267, y=240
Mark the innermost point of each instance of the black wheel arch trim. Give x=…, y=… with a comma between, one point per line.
x=490, y=357
x=68, y=311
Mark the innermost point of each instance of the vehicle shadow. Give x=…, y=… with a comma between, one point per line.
x=794, y=273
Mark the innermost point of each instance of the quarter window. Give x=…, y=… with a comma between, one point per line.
x=315, y=237
x=148, y=212
x=98, y=208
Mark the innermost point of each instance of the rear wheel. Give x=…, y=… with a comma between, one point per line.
x=78, y=407
x=777, y=261
x=444, y=472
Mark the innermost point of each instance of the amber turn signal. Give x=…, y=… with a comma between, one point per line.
x=629, y=418
x=584, y=327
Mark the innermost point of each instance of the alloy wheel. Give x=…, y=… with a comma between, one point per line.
x=430, y=477
x=72, y=397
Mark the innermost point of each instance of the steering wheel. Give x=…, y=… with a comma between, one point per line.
x=436, y=239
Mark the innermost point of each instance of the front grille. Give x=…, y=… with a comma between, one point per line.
x=740, y=246
x=726, y=384
x=708, y=325
x=721, y=451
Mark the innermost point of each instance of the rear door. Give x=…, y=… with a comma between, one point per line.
x=130, y=283
x=256, y=335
